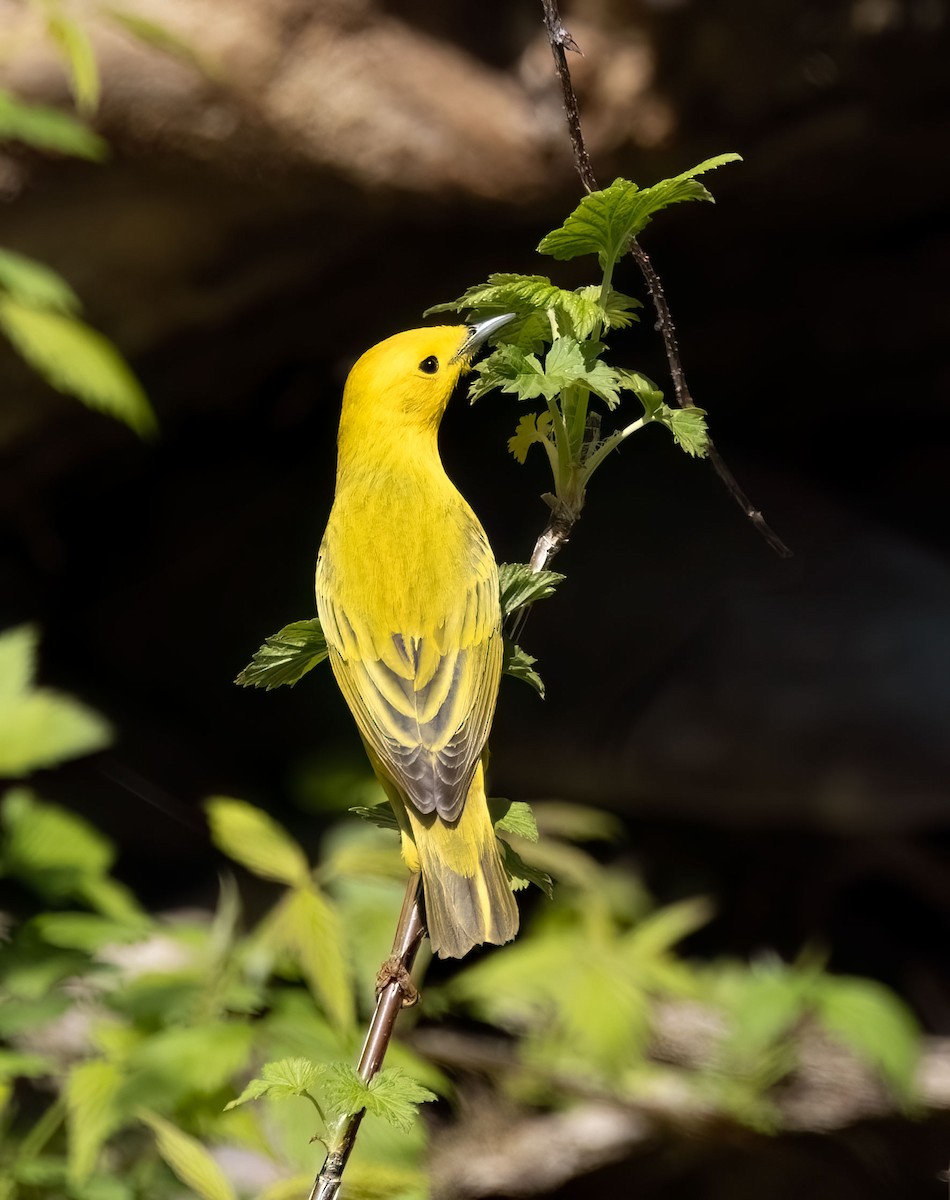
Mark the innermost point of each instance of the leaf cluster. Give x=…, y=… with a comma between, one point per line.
x=554, y=347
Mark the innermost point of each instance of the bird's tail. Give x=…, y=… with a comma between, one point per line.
x=467, y=896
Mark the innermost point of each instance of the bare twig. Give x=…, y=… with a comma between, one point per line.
x=561, y=41
x=395, y=992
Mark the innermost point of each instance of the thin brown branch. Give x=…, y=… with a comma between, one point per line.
x=561, y=41
x=395, y=992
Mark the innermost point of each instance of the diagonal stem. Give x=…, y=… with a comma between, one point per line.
x=395, y=992
x=561, y=41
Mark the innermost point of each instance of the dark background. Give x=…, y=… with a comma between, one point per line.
x=774, y=733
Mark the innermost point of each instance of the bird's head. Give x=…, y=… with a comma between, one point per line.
x=406, y=381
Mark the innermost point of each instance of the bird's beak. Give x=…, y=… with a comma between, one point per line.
x=478, y=334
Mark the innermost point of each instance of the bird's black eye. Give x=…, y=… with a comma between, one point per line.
x=430, y=365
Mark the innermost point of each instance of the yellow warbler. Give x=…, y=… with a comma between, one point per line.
x=407, y=592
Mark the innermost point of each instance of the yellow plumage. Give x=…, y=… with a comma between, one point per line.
x=407, y=592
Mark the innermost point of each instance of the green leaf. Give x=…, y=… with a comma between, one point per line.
x=617, y=308
x=34, y=284
x=519, y=664
x=44, y=728
x=74, y=45
x=306, y=924
x=256, y=841
x=658, y=932
x=92, y=1113
x=190, y=1161
x=644, y=389
x=513, y=371
x=48, y=129
x=519, y=586
x=688, y=426
x=179, y=1063
x=75, y=359
x=605, y=221
x=391, y=1094
x=85, y=931
x=380, y=815
x=515, y=817
x=50, y=846
x=875, y=1024
x=531, y=428
x=286, y=656
x=16, y=1065
x=287, y=1077
x=395, y=1096
x=537, y=302
x=521, y=874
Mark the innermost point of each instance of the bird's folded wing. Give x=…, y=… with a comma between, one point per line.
x=423, y=699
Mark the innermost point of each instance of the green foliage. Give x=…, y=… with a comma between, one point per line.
x=520, y=665
x=39, y=312
x=553, y=350
x=38, y=726
x=75, y=359
x=286, y=656
x=605, y=221
x=48, y=129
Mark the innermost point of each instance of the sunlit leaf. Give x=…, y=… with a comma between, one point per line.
x=256, y=841
x=47, y=129
x=75, y=359
x=520, y=665
x=92, y=1113
x=190, y=1161
x=34, y=284
x=74, y=45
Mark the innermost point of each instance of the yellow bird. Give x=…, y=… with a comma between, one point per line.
x=407, y=592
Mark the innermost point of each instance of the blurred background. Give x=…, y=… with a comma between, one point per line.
x=290, y=182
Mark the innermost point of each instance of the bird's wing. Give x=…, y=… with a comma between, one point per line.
x=423, y=701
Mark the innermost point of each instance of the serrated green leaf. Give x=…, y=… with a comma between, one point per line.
x=92, y=1113
x=34, y=284
x=688, y=426
x=49, y=845
x=18, y=648
x=875, y=1024
x=189, y=1160
x=521, y=874
x=534, y=300
x=307, y=925
x=48, y=129
x=616, y=307
x=531, y=428
x=395, y=1096
x=286, y=656
x=519, y=664
x=644, y=389
x=380, y=815
x=605, y=221
x=515, y=817
x=519, y=585
x=73, y=43
x=513, y=371
x=287, y=1077
x=75, y=359
x=256, y=841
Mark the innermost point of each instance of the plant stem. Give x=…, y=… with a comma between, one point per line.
x=395, y=991
x=561, y=40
